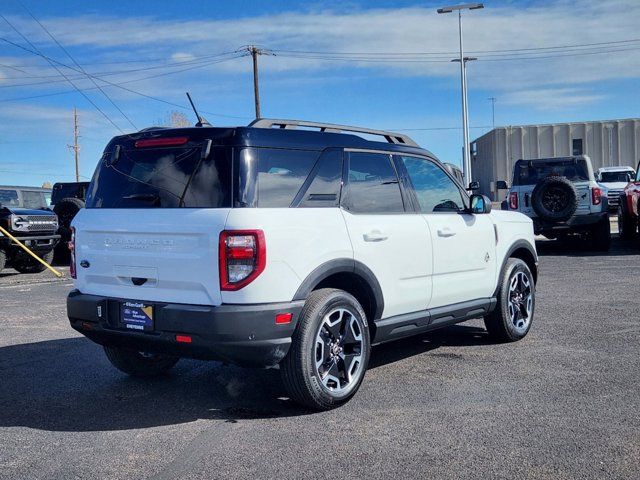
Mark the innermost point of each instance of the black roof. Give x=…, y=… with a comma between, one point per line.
x=271, y=137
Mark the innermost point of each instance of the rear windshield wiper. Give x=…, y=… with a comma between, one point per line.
x=149, y=197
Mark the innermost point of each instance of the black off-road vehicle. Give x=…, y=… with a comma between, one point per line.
x=24, y=213
x=67, y=199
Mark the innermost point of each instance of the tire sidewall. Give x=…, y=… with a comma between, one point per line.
x=514, y=266
x=338, y=299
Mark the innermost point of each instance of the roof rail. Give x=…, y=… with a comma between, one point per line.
x=390, y=137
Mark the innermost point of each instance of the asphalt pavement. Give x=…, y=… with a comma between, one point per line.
x=562, y=403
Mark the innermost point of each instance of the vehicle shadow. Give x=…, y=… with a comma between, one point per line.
x=583, y=248
x=68, y=385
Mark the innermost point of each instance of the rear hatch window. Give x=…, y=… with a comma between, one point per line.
x=195, y=175
x=531, y=172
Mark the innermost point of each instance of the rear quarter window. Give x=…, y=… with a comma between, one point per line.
x=272, y=177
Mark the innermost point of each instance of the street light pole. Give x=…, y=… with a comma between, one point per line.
x=463, y=83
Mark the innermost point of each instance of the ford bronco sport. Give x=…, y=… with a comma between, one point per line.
x=562, y=197
x=24, y=213
x=288, y=247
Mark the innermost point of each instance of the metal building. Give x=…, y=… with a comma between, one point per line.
x=606, y=142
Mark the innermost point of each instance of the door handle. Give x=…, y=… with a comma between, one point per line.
x=446, y=232
x=374, y=236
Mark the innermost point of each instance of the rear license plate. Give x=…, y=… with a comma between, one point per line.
x=136, y=316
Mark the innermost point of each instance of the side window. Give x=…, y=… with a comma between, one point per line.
x=372, y=184
x=9, y=198
x=271, y=177
x=435, y=190
x=324, y=187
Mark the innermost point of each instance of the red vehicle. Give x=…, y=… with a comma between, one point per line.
x=629, y=211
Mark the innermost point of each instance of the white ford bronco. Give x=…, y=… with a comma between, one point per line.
x=288, y=247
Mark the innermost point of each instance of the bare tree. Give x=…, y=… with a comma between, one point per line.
x=178, y=119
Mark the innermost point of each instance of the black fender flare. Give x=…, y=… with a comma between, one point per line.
x=342, y=265
x=517, y=245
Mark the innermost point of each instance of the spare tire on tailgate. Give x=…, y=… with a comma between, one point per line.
x=555, y=199
x=66, y=209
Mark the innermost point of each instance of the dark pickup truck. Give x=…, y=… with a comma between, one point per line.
x=25, y=214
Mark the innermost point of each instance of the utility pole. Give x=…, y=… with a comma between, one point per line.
x=75, y=147
x=255, y=52
x=493, y=110
x=256, y=86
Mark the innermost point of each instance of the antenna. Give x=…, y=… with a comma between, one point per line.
x=201, y=120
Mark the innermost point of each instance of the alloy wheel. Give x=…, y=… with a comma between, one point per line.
x=520, y=301
x=338, y=351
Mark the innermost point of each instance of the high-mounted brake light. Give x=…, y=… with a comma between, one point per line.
x=513, y=200
x=72, y=251
x=596, y=196
x=242, y=257
x=161, y=142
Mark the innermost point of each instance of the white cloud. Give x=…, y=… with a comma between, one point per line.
x=545, y=99
x=384, y=30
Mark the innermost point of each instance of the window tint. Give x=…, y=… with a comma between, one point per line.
x=372, y=184
x=324, y=190
x=270, y=177
x=9, y=198
x=31, y=199
x=162, y=178
x=531, y=172
x=436, y=191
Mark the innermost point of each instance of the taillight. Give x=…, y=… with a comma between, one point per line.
x=242, y=257
x=72, y=251
x=513, y=200
x=161, y=142
x=596, y=196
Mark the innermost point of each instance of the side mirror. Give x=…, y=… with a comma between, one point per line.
x=502, y=185
x=474, y=186
x=480, y=204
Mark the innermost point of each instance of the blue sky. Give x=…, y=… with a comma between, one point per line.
x=178, y=43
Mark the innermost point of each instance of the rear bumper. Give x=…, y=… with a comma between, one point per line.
x=577, y=223
x=245, y=335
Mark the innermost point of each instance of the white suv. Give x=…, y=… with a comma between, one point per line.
x=288, y=247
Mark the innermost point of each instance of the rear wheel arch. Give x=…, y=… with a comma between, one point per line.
x=352, y=277
x=525, y=252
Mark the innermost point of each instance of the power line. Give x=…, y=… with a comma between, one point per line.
x=119, y=85
x=633, y=40
x=62, y=73
x=201, y=60
x=80, y=67
x=419, y=61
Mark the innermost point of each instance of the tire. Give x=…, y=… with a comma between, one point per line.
x=601, y=234
x=23, y=263
x=66, y=209
x=3, y=259
x=139, y=364
x=626, y=224
x=318, y=372
x=516, y=289
x=555, y=199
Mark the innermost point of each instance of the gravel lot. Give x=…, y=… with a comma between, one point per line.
x=562, y=403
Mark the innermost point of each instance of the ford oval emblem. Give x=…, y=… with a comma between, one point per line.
x=85, y=264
